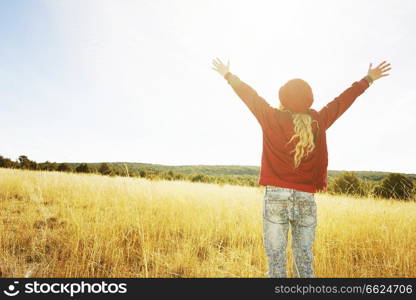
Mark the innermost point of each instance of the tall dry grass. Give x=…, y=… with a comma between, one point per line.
x=67, y=225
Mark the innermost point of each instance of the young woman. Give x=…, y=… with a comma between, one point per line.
x=294, y=162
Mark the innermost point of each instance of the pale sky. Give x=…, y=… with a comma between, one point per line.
x=91, y=81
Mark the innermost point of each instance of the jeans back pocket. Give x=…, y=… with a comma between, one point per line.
x=275, y=204
x=275, y=212
x=307, y=213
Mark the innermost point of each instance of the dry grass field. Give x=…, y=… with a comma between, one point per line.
x=68, y=225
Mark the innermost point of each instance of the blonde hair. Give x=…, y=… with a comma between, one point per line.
x=302, y=124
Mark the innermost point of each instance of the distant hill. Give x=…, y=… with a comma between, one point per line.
x=218, y=170
x=217, y=174
x=369, y=175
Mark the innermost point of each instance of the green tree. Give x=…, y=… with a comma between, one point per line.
x=7, y=163
x=47, y=166
x=26, y=163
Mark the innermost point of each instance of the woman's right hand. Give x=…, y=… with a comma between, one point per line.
x=379, y=71
x=220, y=67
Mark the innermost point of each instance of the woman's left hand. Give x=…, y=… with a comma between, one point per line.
x=380, y=71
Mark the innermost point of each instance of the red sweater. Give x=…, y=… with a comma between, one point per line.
x=277, y=163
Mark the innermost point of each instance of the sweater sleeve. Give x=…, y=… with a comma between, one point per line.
x=257, y=105
x=334, y=109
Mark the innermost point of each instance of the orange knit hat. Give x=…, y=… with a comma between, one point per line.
x=296, y=95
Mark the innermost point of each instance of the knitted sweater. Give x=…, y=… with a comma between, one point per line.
x=277, y=162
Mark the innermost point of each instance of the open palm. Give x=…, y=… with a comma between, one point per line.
x=220, y=67
x=379, y=71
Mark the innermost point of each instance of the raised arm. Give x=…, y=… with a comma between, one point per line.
x=257, y=105
x=334, y=109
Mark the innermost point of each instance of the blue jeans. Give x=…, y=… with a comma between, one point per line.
x=283, y=207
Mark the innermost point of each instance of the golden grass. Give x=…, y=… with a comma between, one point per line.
x=68, y=225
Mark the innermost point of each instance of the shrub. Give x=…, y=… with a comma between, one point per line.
x=104, y=169
x=395, y=186
x=63, y=167
x=199, y=178
x=142, y=173
x=82, y=168
x=346, y=183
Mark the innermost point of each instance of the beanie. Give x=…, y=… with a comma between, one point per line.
x=296, y=95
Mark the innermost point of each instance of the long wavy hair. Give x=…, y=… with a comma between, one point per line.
x=302, y=124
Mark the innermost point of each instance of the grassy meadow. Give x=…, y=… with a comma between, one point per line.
x=68, y=225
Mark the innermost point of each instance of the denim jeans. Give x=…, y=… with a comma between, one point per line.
x=283, y=207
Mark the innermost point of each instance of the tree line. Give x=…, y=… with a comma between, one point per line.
x=23, y=162
x=394, y=185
